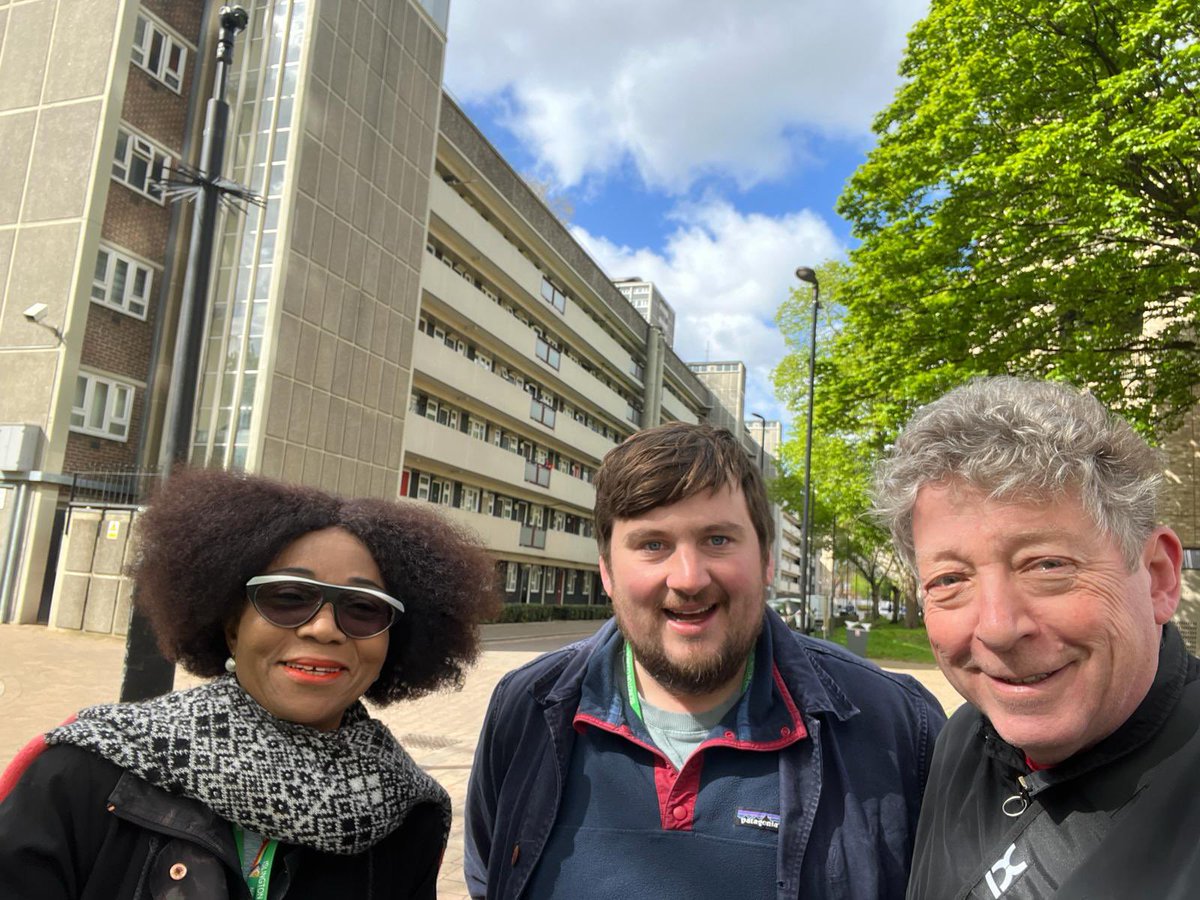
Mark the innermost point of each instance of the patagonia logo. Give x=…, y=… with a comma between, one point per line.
x=754, y=819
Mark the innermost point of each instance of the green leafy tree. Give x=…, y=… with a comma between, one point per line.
x=1032, y=207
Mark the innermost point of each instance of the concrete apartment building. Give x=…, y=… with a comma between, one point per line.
x=315, y=295
x=528, y=366
x=768, y=433
x=646, y=298
x=727, y=380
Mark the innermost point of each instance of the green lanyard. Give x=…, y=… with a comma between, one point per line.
x=259, y=877
x=635, y=702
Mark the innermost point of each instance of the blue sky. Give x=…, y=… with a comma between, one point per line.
x=702, y=144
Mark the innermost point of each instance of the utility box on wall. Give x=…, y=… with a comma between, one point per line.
x=19, y=447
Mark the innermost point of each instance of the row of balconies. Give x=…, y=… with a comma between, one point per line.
x=492, y=326
x=429, y=445
x=445, y=204
x=537, y=544
x=466, y=382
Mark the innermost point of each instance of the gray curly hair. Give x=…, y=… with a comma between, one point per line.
x=1021, y=439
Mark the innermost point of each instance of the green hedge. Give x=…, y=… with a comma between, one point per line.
x=532, y=612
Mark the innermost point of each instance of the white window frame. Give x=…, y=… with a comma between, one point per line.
x=512, y=570
x=571, y=574
x=470, y=499
x=423, y=486
x=547, y=352
x=117, y=410
x=552, y=295
x=477, y=428
x=155, y=158
x=131, y=302
x=160, y=69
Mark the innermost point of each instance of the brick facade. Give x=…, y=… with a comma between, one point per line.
x=115, y=343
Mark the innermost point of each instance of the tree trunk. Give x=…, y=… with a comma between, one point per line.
x=910, y=601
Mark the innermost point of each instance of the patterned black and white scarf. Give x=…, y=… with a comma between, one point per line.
x=338, y=791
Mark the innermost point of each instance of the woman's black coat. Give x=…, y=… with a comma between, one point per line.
x=76, y=826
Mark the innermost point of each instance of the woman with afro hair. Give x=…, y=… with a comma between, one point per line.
x=271, y=780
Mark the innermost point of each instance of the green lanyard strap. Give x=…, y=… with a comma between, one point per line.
x=635, y=702
x=258, y=879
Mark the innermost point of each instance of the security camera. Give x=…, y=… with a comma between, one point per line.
x=36, y=313
x=234, y=18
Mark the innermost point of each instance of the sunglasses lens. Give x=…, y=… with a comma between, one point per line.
x=287, y=603
x=361, y=615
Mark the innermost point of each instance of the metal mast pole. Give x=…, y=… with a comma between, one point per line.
x=807, y=275
x=146, y=673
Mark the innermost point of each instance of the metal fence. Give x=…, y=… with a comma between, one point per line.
x=119, y=486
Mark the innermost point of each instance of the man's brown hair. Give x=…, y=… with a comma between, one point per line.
x=663, y=465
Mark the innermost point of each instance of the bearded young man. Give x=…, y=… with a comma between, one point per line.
x=695, y=747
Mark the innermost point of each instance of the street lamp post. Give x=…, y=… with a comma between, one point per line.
x=808, y=276
x=762, y=439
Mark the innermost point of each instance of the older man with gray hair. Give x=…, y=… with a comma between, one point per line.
x=1028, y=514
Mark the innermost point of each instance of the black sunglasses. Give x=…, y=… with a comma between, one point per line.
x=289, y=601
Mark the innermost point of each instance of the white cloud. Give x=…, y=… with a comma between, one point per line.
x=680, y=88
x=725, y=273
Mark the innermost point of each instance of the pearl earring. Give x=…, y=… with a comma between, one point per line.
x=230, y=665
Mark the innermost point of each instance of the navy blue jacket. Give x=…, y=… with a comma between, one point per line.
x=850, y=791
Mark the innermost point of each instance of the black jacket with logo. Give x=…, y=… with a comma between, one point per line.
x=1119, y=820
x=77, y=826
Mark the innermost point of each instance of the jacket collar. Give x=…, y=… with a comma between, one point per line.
x=147, y=806
x=797, y=658
x=1147, y=720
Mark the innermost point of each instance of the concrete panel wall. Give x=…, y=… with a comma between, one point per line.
x=342, y=359
x=58, y=99
x=90, y=591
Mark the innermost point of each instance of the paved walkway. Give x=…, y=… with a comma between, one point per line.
x=46, y=675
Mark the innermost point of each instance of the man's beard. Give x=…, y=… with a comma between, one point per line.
x=693, y=677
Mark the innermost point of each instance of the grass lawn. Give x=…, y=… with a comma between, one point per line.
x=893, y=642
